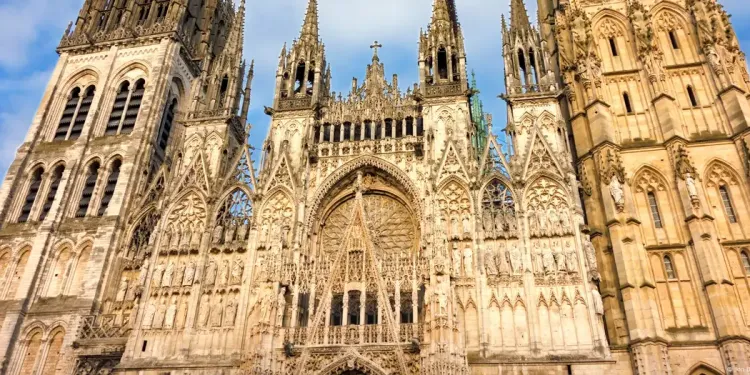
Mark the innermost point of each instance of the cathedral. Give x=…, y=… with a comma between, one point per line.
x=384, y=231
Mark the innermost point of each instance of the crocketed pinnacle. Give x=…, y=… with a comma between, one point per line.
x=519, y=18
x=309, y=31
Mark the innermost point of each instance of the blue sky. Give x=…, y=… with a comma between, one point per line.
x=31, y=29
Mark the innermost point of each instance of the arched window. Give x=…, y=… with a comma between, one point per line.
x=337, y=133
x=316, y=134
x=53, y=353
x=34, y=185
x=74, y=115
x=669, y=268
x=522, y=65
x=371, y=308
x=654, y=206
x=442, y=59
x=52, y=191
x=628, y=105
x=125, y=108
x=88, y=189
x=143, y=11
x=409, y=126
x=33, y=348
x=58, y=272
x=337, y=309
x=166, y=124
x=299, y=78
x=161, y=11
x=223, y=91
x=354, y=307
x=347, y=131
x=15, y=277
x=745, y=262
x=691, y=96
x=673, y=39
x=109, y=188
x=326, y=132
x=388, y=128
x=532, y=66
x=726, y=200
x=303, y=309
x=613, y=47
x=407, y=310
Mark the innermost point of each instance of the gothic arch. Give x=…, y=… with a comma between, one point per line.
x=620, y=20
x=140, y=67
x=83, y=77
x=365, y=161
x=703, y=368
x=352, y=362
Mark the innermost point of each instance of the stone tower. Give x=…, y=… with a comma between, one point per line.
x=143, y=106
x=657, y=92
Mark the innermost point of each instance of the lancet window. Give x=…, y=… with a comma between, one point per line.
x=669, y=268
x=726, y=200
x=498, y=210
x=54, y=184
x=109, y=187
x=166, y=124
x=233, y=218
x=89, y=185
x=745, y=261
x=125, y=108
x=74, y=114
x=34, y=185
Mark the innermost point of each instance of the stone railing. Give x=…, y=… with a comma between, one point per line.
x=366, y=334
x=107, y=326
x=444, y=90
x=291, y=104
x=369, y=146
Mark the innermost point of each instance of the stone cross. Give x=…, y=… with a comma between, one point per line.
x=375, y=47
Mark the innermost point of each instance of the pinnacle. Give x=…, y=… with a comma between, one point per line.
x=519, y=18
x=445, y=11
x=310, y=27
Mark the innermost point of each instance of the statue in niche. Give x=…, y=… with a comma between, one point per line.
x=144, y=273
x=565, y=221
x=157, y=276
x=217, y=235
x=691, y=187
x=189, y=274
x=441, y=295
x=538, y=260
x=501, y=258
x=170, y=314
x=275, y=232
x=548, y=260
x=217, y=314
x=468, y=261
x=122, y=290
x=175, y=240
x=195, y=239
x=266, y=305
x=159, y=317
x=284, y=240
x=597, y=302
x=487, y=222
x=181, y=315
x=179, y=274
x=230, y=313
x=166, y=281
x=533, y=223
x=456, y=260
x=560, y=258
x=166, y=240
x=489, y=261
x=224, y=274
x=134, y=290
x=618, y=195
x=185, y=238
x=590, y=253
x=455, y=231
x=210, y=273
x=152, y=237
x=205, y=309
x=281, y=303
x=554, y=221
x=237, y=270
x=466, y=225
x=242, y=232
x=544, y=228
x=229, y=233
x=571, y=258
x=499, y=223
x=148, y=316
x=516, y=259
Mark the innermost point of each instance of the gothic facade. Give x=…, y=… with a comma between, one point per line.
x=384, y=231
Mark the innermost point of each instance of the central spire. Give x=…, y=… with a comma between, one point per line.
x=519, y=17
x=310, y=27
x=444, y=11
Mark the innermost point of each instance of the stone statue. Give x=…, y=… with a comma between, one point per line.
x=263, y=234
x=134, y=290
x=185, y=238
x=166, y=281
x=189, y=274
x=230, y=313
x=499, y=223
x=242, y=232
x=487, y=222
x=217, y=314
x=691, y=187
x=266, y=306
x=510, y=221
x=501, y=259
x=284, y=240
x=548, y=260
x=590, y=253
x=281, y=302
x=179, y=274
x=217, y=235
x=442, y=297
x=618, y=195
x=144, y=273
x=205, y=309
x=468, y=261
x=456, y=260
x=565, y=222
x=224, y=274
x=516, y=260
x=170, y=314
x=195, y=239
x=175, y=240
x=489, y=261
x=554, y=220
x=122, y=291
x=597, y=302
x=237, y=269
x=560, y=259
x=229, y=233
x=157, y=276
x=181, y=315
x=148, y=316
x=571, y=258
x=210, y=273
x=533, y=223
x=159, y=317
x=455, y=231
x=538, y=260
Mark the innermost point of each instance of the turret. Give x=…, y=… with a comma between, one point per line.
x=442, y=57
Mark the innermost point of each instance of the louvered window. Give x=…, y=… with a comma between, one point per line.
x=125, y=108
x=166, y=125
x=83, y=112
x=143, y=10
x=88, y=190
x=52, y=191
x=109, y=189
x=69, y=114
x=28, y=204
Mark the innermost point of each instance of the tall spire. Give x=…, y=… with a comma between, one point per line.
x=310, y=27
x=444, y=12
x=519, y=18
